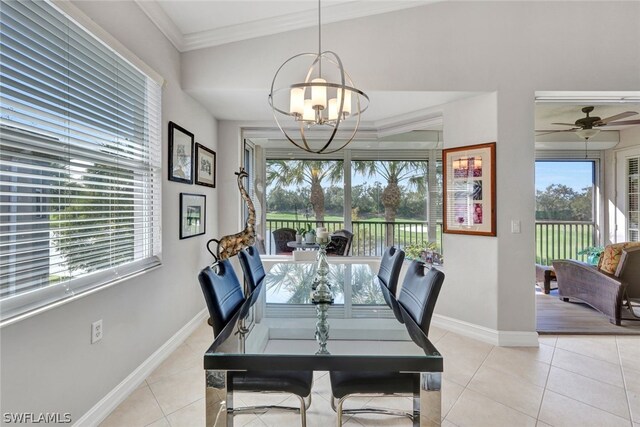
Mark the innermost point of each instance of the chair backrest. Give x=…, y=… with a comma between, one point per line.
x=628, y=271
x=341, y=240
x=420, y=292
x=252, y=267
x=281, y=236
x=339, y=245
x=390, y=266
x=222, y=292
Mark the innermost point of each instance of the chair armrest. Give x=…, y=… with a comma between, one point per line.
x=568, y=269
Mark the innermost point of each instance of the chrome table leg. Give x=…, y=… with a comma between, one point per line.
x=430, y=399
x=217, y=399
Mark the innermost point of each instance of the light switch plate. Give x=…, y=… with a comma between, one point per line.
x=515, y=226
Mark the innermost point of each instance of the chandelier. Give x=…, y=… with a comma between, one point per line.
x=310, y=112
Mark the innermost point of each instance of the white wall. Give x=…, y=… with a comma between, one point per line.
x=47, y=361
x=511, y=48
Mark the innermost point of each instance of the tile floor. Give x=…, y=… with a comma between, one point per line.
x=567, y=381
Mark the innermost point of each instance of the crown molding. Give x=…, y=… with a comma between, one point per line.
x=165, y=24
x=418, y=120
x=268, y=26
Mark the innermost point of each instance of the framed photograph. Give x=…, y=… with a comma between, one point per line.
x=180, y=154
x=205, y=166
x=469, y=205
x=192, y=215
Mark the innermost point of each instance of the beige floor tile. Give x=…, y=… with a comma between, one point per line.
x=629, y=348
x=182, y=358
x=462, y=357
x=190, y=416
x=522, y=362
x=547, y=339
x=143, y=384
x=632, y=381
x=596, y=346
x=508, y=389
x=436, y=334
x=179, y=390
x=447, y=423
x=541, y=424
x=322, y=387
x=139, y=409
x=450, y=394
x=320, y=414
x=255, y=421
x=592, y=392
x=562, y=411
x=597, y=369
x=201, y=339
x=474, y=409
x=162, y=422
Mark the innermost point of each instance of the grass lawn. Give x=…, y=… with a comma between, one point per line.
x=292, y=217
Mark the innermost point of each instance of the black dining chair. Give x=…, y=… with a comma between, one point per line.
x=252, y=267
x=418, y=298
x=388, y=275
x=223, y=295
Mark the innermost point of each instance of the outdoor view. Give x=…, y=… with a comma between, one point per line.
x=565, y=224
x=389, y=201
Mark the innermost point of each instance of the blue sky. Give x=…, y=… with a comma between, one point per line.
x=574, y=174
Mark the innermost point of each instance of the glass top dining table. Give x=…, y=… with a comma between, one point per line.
x=280, y=328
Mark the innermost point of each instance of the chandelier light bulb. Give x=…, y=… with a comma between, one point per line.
x=296, y=102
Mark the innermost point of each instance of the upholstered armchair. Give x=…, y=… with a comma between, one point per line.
x=615, y=280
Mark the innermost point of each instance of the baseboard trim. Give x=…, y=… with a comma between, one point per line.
x=108, y=403
x=488, y=335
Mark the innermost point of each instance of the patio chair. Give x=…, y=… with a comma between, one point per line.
x=281, y=237
x=340, y=243
x=606, y=286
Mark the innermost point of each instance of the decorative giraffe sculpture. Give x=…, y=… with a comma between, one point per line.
x=230, y=245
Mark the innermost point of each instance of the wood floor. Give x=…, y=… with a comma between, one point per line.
x=558, y=317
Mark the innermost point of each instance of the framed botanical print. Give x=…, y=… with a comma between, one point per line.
x=192, y=215
x=469, y=205
x=180, y=154
x=205, y=166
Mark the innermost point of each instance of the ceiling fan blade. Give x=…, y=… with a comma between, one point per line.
x=564, y=124
x=623, y=123
x=548, y=131
x=616, y=117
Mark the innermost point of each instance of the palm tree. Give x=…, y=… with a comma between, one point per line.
x=394, y=172
x=310, y=172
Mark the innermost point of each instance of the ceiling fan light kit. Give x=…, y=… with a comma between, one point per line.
x=324, y=100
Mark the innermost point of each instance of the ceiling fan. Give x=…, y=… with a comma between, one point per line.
x=586, y=127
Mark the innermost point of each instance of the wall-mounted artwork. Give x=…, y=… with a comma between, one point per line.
x=205, y=166
x=180, y=154
x=470, y=190
x=192, y=215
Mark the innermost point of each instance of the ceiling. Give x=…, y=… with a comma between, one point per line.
x=196, y=24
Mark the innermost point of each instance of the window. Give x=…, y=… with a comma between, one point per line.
x=79, y=161
x=385, y=197
x=565, y=219
x=633, y=199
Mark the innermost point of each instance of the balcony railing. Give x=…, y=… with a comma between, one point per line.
x=563, y=240
x=369, y=237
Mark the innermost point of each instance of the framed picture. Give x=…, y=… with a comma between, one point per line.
x=205, y=166
x=180, y=154
x=469, y=205
x=192, y=214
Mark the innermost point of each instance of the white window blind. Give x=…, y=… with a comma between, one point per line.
x=633, y=199
x=79, y=161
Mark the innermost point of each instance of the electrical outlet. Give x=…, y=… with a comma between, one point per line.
x=96, y=331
